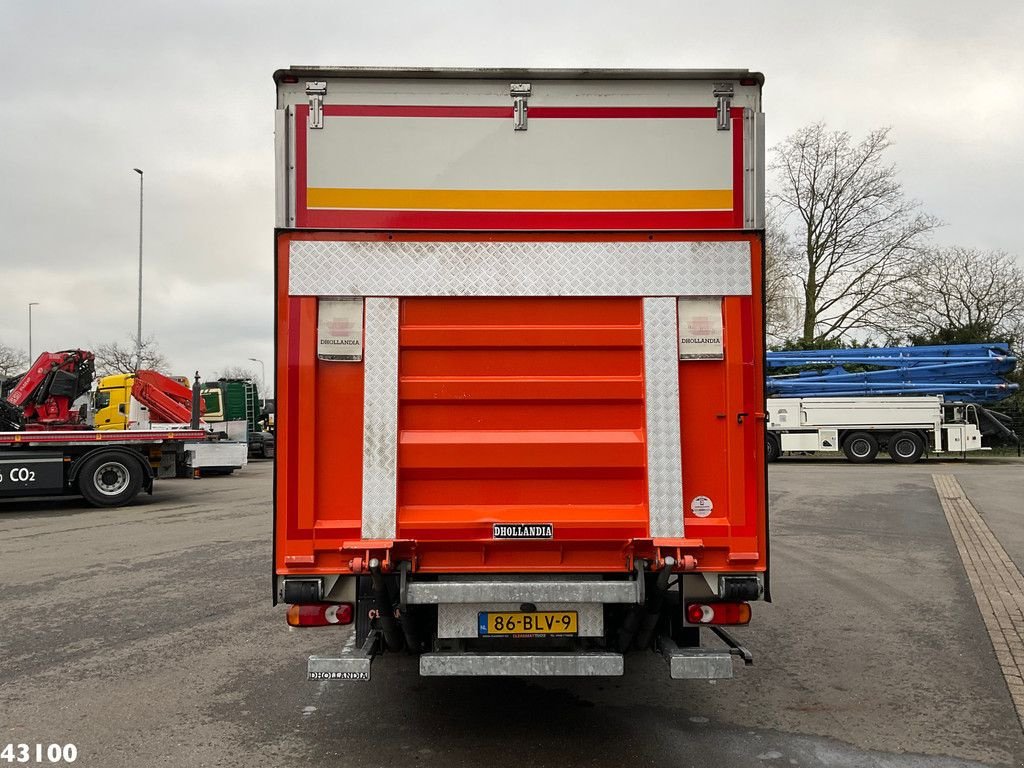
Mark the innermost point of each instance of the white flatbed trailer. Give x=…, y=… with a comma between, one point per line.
x=107, y=467
x=905, y=427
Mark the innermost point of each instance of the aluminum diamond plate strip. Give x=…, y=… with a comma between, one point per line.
x=643, y=268
x=661, y=379
x=380, y=418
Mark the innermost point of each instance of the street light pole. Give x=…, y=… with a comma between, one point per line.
x=263, y=381
x=30, y=305
x=138, y=331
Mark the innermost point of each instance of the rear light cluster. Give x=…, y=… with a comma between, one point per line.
x=718, y=613
x=319, y=614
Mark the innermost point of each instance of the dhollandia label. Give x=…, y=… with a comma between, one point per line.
x=700, y=328
x=339, y=329
x=523, y=531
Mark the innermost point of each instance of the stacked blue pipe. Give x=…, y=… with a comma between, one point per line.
x=960, y=372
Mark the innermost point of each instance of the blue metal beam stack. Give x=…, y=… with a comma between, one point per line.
x=960, y=372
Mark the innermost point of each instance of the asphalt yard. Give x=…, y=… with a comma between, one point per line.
x=145, y=637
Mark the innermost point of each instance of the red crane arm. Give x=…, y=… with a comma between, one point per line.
x=169, y=401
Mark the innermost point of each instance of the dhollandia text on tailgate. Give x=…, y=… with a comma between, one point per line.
x=519, y=368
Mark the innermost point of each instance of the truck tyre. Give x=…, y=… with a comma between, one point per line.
x=772, y=447
x=860, y=447
x=906, y=447
x=110, y=479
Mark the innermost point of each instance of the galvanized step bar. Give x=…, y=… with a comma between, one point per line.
x=684, y=663
x=573, y=664
x=695, y=663
x=352, y=664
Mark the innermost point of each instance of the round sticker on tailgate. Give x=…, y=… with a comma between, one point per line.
x=701, y=506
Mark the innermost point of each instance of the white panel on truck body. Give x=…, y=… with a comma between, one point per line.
x=218, y=455
x=443, y=140
x=561, y=154
x=871, y=412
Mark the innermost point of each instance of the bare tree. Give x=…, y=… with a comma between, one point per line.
x=239, y=372
x=960, y=294
x=857, y=232
x=781, y=263
x=12, y=361
x=116, y=358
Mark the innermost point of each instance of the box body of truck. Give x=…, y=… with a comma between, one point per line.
x=519, y=365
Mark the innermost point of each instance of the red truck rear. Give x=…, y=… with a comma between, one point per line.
x=520, y=407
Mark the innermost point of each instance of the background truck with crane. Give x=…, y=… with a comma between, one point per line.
x=229, y=406
x=905, y=401
x=48, y=448
x=112, y=406
x=148, y=399
x=519, y=381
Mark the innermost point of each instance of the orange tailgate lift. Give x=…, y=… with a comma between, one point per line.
x=520, y=346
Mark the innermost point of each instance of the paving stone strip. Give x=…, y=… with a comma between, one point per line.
x=997, y=583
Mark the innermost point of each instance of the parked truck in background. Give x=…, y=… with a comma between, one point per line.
x=230, y=407
x=48, y=448
x=161, y=401
x=860, y=427
x=520, y=392
x=906, y=401
x=235, y=405
x=111, y=401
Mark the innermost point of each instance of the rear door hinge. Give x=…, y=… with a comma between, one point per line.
x=520, y=93
x=316, y=90
x=723, y=96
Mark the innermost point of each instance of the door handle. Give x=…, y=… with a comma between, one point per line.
x=759, y=416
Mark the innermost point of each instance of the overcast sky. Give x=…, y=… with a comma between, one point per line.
x=184, y=91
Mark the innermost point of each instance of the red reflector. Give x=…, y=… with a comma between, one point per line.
x=289, y=79
x=748, y=81
x=718, y=613
x=319, y=614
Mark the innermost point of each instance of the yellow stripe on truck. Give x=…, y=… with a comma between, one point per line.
x=522, y=199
